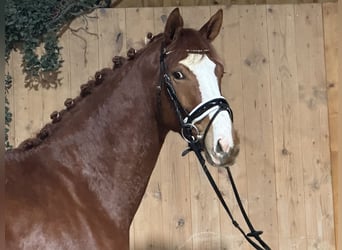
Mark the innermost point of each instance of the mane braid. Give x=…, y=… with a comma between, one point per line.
x=85, y=89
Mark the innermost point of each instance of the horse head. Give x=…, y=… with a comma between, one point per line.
x=191, y=73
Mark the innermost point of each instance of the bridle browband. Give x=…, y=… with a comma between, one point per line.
x=191, y=135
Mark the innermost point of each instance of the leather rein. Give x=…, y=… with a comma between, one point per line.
x=191, y=135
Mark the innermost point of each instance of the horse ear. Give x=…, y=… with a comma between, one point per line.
x=211, y=29
x=173, y=23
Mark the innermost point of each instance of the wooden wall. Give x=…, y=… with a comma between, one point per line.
x=338, y=169
x=278, y=78
x=330, y=17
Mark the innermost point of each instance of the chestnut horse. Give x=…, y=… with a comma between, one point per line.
x=79, y=182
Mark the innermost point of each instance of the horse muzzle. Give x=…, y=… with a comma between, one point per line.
x=220, y=155
x=217, y=139
x=220, y=141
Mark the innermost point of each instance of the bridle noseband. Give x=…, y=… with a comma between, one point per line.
x=191, y=135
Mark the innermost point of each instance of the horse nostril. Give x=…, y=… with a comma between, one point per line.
x=222, y=147
x=218, y=148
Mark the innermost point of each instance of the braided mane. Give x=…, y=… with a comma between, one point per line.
x=119, y=63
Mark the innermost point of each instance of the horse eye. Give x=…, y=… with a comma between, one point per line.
x=178, y=75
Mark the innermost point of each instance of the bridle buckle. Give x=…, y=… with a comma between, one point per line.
x=190, y=133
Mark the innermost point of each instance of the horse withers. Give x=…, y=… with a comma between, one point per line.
x=79, y=182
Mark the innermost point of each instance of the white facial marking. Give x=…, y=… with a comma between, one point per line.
x=204, y=70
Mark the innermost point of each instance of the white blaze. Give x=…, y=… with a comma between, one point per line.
x=204, y=70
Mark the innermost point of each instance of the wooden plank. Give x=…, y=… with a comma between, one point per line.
x=286, y=124
x=338, y=180
x=23, y=130
x=83, y=46
x=34, y=87
x=330, y=21
x=130, y=4
x=204, y=204
x=314, y=131
x=112, y=38
x=227, y=45
x=152, y=3
x=336, y=177
x=143, y=237
x=258, y=121
x=139, y=21
x=330, y=16
x=174, y=185
x=174, y=177
x=160, y=17
x=163, y=202
x=52, y=100
x=195, y=21
x=53, y=97
x=140, y=235
x=157, y=200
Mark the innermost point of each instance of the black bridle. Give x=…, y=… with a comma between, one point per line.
x=191, y=135
x=186, y=119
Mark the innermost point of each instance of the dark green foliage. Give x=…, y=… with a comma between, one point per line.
x=31, y=22
x=28, y=23
x=8, y=114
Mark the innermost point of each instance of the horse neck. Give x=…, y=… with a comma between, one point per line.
x=114, y=145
